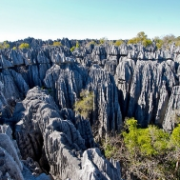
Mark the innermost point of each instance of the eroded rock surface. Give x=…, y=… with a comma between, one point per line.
x=129, y=80
x=42, y=129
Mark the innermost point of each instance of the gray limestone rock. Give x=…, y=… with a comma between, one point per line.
x=172, y=111
x=42, y=129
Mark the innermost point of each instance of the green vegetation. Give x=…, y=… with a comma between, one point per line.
x=91, y=43
x=147, y=142
x=77, y=44
x=84, y=106
x=118, y=42
x=102, y=40
x=140, y=38
x=73, y=48
x=4, y=45
x=14, y=48
x=159, y=42
x=57, y=43
x=24, y=46
x=145, y=153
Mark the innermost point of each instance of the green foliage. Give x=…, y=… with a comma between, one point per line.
x=147, y=142
x=84, y=106
x=14, y=48
x=57, y=43
x=102, y=40
x=73, y=48
x=175, y=137
x=146, y=42
x=91, y=43
x=159, y=42
x=109, y=149
x=133, y=41
x=118, y=42
x=140, y=38
x=145, y=153
x=24, y=46
x=4, y=45
x=77, y=44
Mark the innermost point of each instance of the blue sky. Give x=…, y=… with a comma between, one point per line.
x=80, y=19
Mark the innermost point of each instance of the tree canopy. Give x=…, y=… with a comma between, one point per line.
x=24, y=46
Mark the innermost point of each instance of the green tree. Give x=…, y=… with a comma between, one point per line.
x=84, y=106
x=140, y=38
x=24, y=46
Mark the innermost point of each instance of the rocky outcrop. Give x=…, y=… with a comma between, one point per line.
x=11, y=165
x=57, y=144
x=129, y=80
x=172, y=112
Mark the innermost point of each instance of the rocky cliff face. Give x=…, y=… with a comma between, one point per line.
x=38, y=89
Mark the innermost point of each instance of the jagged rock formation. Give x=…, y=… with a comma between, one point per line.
x=129, y=80
x=11, y=166
x=63, y=145
x=172, y=112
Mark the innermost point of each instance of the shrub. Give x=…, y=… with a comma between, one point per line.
x=145, y=153
x=14, y=48
x=102, y=40
x=159, y=42
x=84, y=105
x=4, y=45
x=77, y=44
x=133, y=41
x=175, y=137
x=57, y=43
x=146, y=42
x=109, y=149
x=24, y=46
x=147, y=142
x=140, y=38
x=118, y=42
x=73, y=48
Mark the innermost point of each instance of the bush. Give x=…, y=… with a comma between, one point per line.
x=140, y=38
x=77, y=44
x=145, y=153
x=102, y=40
x=14, y=48
x=24, y=46
x=146, y=42
x=57, y=43
x=133, y=41
x=118, y=42
x=4, y=45
x=73, y=48
x=175, y=137
x=84, y=106
x=147, y=142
